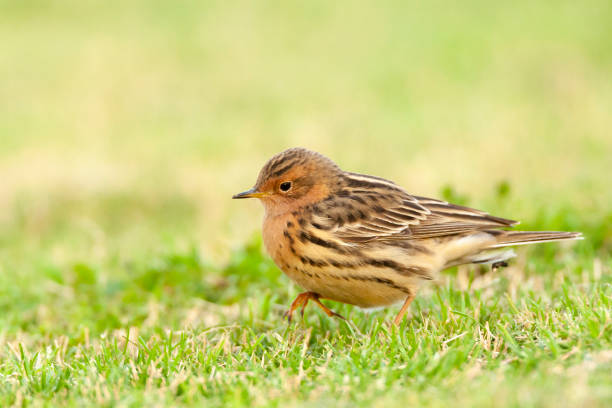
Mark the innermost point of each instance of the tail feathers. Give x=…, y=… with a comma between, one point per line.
x=509, y=238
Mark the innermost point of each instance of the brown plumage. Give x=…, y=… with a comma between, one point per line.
x=364, y=240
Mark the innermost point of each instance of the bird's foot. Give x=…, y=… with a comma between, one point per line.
x=302, y=300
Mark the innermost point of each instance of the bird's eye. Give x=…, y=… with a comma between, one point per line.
x=285, y=186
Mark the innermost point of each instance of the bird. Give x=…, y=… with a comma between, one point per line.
x=364, y=240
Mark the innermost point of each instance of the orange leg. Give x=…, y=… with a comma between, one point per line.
x=402, y=312
x=302, y=300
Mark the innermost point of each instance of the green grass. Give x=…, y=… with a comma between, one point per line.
x=128, y=277
x=169, y=328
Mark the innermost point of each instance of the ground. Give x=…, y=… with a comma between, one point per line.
x=128, y=276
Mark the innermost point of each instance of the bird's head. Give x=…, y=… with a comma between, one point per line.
x=293, y=179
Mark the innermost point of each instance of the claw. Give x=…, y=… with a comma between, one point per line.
x=499, y=264
x=334, y=314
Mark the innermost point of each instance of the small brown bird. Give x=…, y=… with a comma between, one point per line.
x=364, y=240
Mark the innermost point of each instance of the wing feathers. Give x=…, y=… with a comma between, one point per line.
x=370, y=208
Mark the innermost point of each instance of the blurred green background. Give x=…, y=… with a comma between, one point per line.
x=130, y=123
x=126, y=126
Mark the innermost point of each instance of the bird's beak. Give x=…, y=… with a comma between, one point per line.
x=252, y=193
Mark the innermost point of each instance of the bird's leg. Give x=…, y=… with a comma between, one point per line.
x=499, y=264
x=402, y=312
x=302, y=300
x=327, y=310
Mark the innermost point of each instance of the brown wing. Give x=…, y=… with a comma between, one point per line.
x=448, y=219
x=384, y=211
